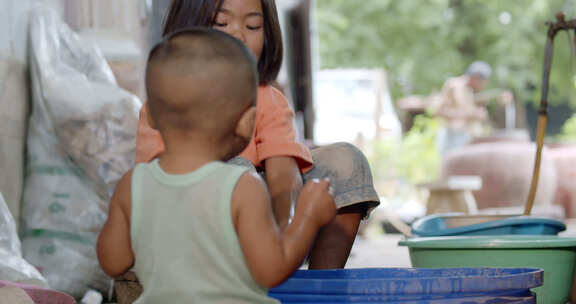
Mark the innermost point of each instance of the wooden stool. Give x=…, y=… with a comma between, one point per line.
x=452, y=194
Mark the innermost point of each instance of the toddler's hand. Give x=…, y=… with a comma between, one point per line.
x=316, y=201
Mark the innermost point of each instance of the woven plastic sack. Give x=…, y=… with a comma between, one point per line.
x=81, y=140
x=12, y=266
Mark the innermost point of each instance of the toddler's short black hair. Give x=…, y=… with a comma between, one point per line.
x=217, y=79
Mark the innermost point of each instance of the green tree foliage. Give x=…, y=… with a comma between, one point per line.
x=414, y=159
x=422, y=43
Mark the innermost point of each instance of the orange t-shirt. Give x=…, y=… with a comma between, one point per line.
x=274, y=133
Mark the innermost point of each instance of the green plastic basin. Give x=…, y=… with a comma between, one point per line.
x=556, y=255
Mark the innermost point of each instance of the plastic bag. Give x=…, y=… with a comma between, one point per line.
x=12, y=266
x=13, y=117
x=81, y=140
x=95, y=120
x=67, y=261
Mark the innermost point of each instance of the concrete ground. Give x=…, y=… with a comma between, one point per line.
x=380, y=251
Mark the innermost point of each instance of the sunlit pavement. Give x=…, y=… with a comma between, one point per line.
x=379, y=251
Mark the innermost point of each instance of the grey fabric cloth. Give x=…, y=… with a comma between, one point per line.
x=349, y=174
x=348, y=170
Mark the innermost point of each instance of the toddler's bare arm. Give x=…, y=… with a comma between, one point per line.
x=272, y=256
x=114, y=247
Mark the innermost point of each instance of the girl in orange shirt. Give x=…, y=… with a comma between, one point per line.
x=273, y=150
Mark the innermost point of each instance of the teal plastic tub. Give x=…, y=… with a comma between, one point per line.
x=556, y=255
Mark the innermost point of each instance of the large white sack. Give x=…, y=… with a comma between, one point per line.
x=81, y=139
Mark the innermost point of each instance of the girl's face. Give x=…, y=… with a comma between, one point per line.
x=244, y=20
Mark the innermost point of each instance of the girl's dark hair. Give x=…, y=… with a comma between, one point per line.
x=188, y=13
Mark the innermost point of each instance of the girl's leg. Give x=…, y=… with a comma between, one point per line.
x=334, y=242
x=355, y=197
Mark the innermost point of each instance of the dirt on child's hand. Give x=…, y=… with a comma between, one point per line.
x=316, y=201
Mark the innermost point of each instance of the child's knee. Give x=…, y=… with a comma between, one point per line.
x=341, y=159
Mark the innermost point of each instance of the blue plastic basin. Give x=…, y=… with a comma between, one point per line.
x=524, y=298
x=436, y=225
x=406, y=285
